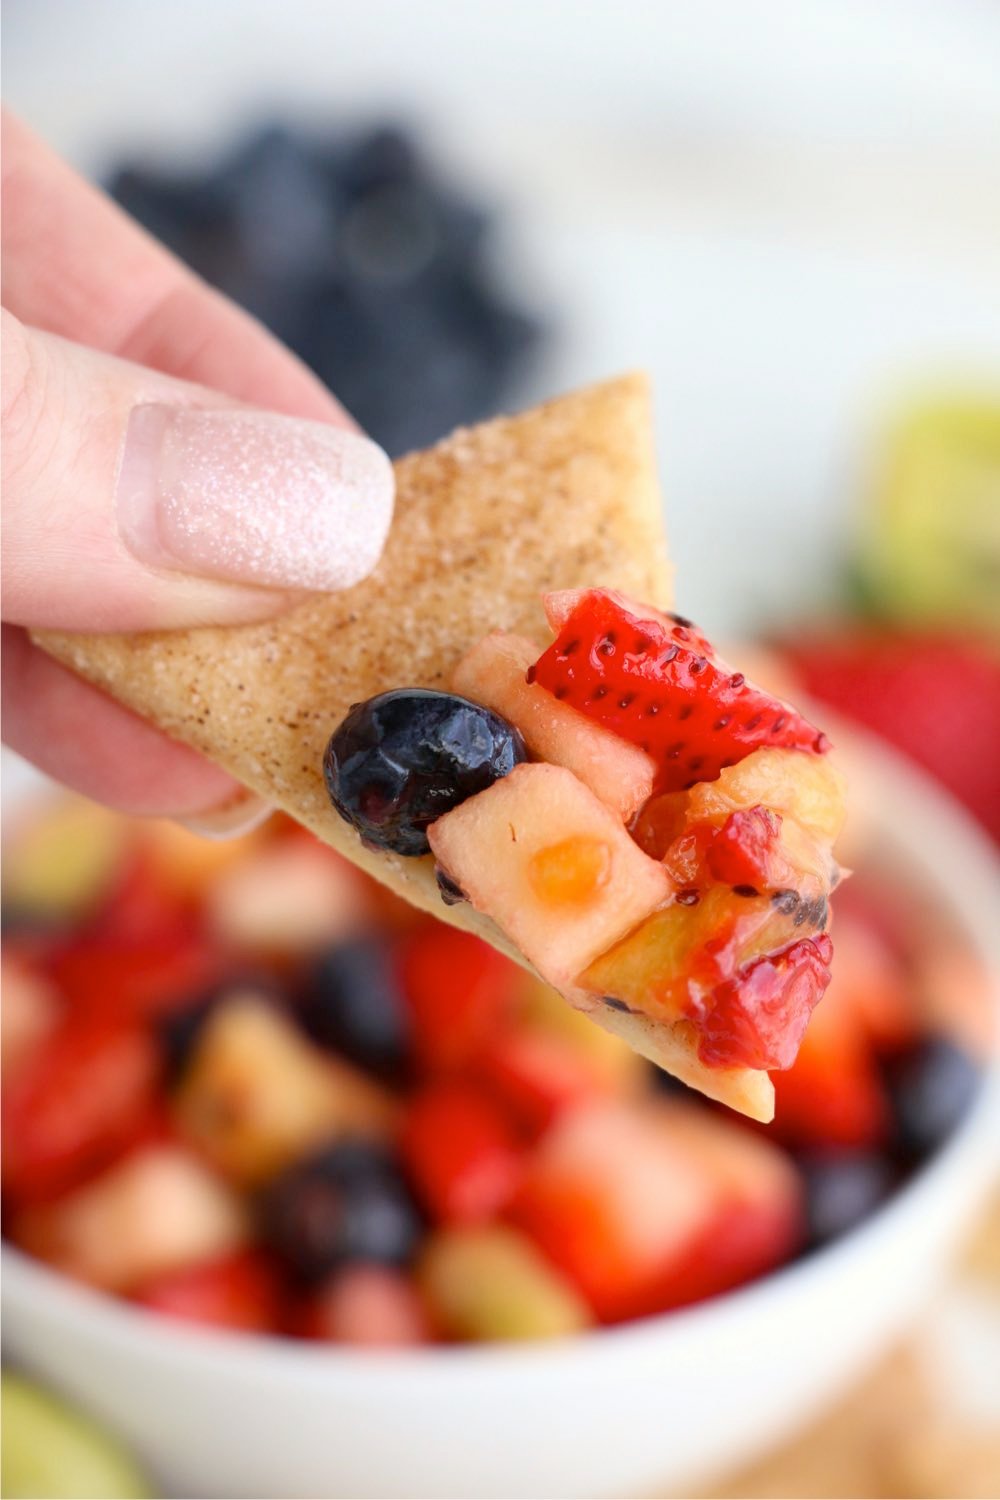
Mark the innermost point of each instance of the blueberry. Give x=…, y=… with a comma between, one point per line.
x=361, y=256
x=451, y=892
x=931, y=1086
x=841, y=1189
x=402, y=759
x=347, y=1203
x=352, y=1002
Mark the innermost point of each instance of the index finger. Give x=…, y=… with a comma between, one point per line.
x=76, y=265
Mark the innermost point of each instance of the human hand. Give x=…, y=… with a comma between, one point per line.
x=166, y=463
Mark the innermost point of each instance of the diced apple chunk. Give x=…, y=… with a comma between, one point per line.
x=552, y=866
x=293, y=898
x=156, y=1212
x=256, y=1093
x=493, y=673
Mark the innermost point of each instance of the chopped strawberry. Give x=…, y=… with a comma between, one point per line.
x=746, y=850
x=661, y=687
x=106, y=979
x=461, y=1153
x=833, y=1094
x=75, y=1106
x=457, y=989
x=758, y=1018
x=934, y=698
x=644, y=1208
x=239, y=1291
x=539, y=1074
x=141, y=907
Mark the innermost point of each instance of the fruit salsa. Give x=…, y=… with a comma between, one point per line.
x=247, y=1087
x=652, y=832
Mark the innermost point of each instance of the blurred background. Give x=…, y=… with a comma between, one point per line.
x=789, y=214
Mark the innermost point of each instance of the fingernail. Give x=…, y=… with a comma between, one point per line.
x=239, y=816
x=252, y=497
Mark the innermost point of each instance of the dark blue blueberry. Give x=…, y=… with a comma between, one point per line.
x=842, y=1188
x=931, y=1085
x=451, y=892
x=347, y=1203
x=351, y=1002
x=402, y=759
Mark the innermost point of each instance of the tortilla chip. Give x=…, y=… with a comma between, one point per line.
x=564, y=496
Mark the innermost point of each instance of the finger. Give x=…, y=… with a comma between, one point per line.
x=74, y=733
x=76, y=265
x=133, y=501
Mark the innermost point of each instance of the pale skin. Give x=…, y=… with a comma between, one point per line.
x=99, y=318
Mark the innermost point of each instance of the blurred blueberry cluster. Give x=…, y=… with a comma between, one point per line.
x=361, y=258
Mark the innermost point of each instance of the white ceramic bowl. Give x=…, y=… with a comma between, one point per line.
x=662, y=1405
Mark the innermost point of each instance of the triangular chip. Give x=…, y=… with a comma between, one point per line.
x=563, y=496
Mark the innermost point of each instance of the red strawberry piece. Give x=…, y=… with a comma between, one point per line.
x=758, y=1018
x=539, y=1075
x=107, y=979
x=458, y=991
x=936, y=699
x=240, y=1291
x=77, y=1104
x=660, y=686
x=833, y=1095
x=462, y=1155
x=746, y=850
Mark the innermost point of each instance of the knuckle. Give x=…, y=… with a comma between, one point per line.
x=22, y=396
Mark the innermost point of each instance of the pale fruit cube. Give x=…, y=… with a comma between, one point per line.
x=64, y=860
x=491, y=1283
x=807, y=788
x=257, y=1094
x=293, y=898
x=493, y=673
x=552, y=866
x=156, y=1212
x=742, y=1165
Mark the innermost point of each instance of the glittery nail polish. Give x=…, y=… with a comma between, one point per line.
x=252, y=497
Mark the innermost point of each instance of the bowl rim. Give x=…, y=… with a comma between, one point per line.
x=890, y=784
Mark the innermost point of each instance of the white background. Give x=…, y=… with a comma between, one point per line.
x=789, y=213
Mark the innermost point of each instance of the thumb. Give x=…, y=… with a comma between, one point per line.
x=133, y=501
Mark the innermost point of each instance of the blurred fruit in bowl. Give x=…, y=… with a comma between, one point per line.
x=935, y=697
x=67, y=858
x=49, y=1449
x=491, y=1283
x=360, y=256
x=330, y=1119
x=930, y=544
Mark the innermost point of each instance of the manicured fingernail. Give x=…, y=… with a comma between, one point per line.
x=252, y=497
x=238, y=816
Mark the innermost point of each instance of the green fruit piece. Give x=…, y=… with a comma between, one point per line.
x=64, y=861
x=491, y=1283
x=51, y=1450
x=932, y=550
